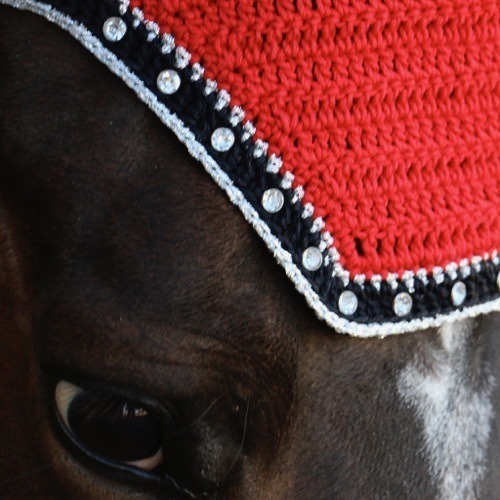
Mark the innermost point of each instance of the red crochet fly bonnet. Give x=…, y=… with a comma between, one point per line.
x=360, y=138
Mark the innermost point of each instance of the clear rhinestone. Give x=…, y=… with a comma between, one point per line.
x=222, y=139
x=273, y=200
x=168, y=81
x=114, y=29
x=348, y=303
x=458, y=293
x=312, y=258
x=402, y=304
x=498, y=280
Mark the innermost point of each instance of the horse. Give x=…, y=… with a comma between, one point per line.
x=119, y=284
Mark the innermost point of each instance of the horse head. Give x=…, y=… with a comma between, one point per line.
x=138, y=306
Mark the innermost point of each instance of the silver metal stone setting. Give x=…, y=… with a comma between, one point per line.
x=348, y=303
x=458, y=293
x=312, y=258
x=114, y=29
x=222, y=139
x=498, y=280
x=168, y=81
x=273, y=200
x=402, y=304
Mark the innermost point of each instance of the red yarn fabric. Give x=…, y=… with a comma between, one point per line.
x=386, y=111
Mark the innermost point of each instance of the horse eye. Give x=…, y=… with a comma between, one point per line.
x=110, y=426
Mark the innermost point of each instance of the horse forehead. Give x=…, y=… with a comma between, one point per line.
x=156, y=240
x=450, y=385
x=133, y=202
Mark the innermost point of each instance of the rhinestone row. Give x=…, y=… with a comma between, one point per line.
x=222, y=140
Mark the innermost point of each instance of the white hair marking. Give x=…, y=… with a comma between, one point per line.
x=451, y=395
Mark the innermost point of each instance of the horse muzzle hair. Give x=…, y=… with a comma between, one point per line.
x=147, y=352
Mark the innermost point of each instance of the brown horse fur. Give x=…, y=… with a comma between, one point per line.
x=121, y=262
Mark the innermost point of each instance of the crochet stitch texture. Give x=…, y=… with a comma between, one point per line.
x=386, y=112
